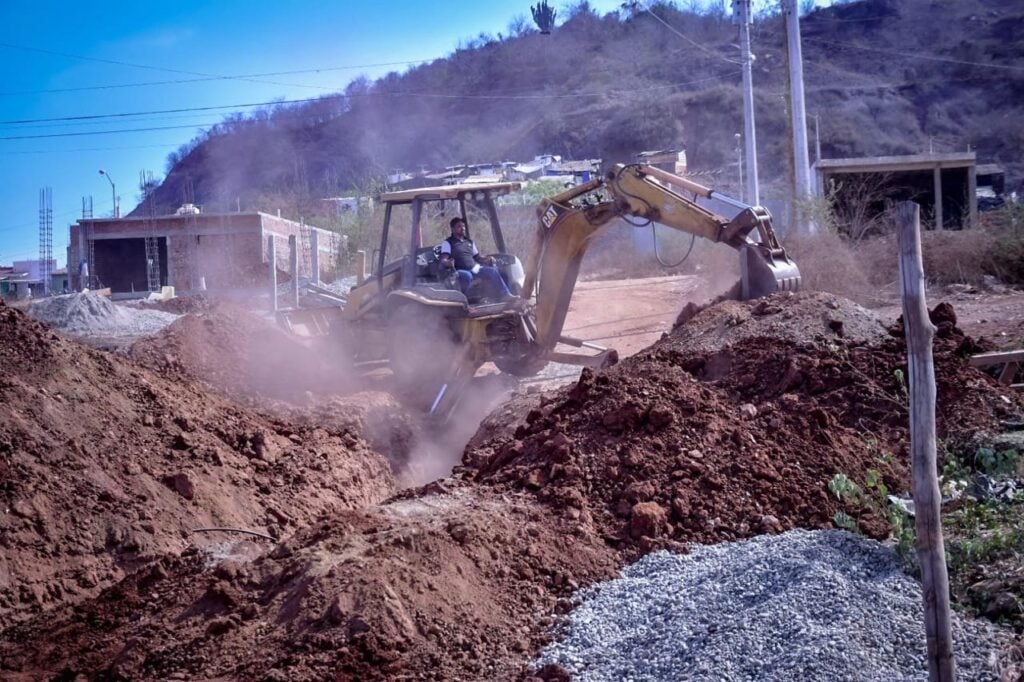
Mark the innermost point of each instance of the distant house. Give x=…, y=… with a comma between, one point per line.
x=192, y=251
x=452, y=175
x=991, y=186
x=60, y=283
x=481, y=179
x=574, y=172
x=944, y=184
x=532, y=170
x=671, y=160
x=344, y=205
x=24, y=279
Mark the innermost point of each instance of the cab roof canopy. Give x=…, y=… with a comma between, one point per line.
x=466, y=191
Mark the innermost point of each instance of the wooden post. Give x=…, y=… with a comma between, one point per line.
x=272, y=257
x=314, y=255
x=927, y=498
x=293, y=263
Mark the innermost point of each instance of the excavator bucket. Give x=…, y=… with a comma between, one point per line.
x=765, y=271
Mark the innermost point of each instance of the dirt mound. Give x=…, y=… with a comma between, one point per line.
x=244, y=356
x=677, y=444
x=804, y=318
x=91, y=314
x=460, y=579
x=454, y=585
x=104, y=465
x=181, y=305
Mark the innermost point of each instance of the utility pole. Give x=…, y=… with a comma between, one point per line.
x=742, y=10
x=817, y=157
x=801, y=163
x=739, y=162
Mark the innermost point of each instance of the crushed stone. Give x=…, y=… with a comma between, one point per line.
x=804, y=605
x=87, y=313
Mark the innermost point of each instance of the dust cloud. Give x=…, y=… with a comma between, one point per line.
x=439, y=446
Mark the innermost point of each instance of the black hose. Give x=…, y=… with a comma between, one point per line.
x=657, y=254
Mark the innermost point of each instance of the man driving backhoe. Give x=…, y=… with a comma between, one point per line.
x=459, y=252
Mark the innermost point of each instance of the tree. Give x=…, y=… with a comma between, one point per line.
x=544, y=16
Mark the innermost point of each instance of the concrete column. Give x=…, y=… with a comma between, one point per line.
x=937, y=173
x=801, y=162
x=314, y=255
x=172, y=274
x=272, y=256
x=972, y=194
x=753, y=196
x=293, y=262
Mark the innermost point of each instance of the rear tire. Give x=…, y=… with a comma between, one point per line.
x=511, y=354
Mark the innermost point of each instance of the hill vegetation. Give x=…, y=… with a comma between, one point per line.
x=884, y=77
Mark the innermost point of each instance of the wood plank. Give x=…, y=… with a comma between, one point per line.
x=996, y=358
x=1008, y=373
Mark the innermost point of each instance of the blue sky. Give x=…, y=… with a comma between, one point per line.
x=61, y=59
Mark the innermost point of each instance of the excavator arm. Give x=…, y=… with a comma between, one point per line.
x=569, y=221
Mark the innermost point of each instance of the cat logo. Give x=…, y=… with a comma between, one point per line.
x=550, y=216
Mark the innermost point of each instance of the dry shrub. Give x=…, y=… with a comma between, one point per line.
x=958, y=257
x=867, y=270
x=833, y=264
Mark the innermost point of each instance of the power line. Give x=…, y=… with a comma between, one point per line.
x=811, y=18
x=105, y=132
x=688, y=39
x=140, y=119
x=58, y=215
x=164, y=111
x=90, y=149
x=216, y=78
x=480, y=96
x=148, y=67
x=913, y=55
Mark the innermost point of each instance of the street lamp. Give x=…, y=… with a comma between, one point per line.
x=113, y=191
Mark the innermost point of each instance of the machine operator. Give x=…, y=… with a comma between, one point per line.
x=459, y=252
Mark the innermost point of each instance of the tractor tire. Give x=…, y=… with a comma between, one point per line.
x=511, y=355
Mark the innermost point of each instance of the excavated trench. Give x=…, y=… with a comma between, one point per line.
x=729, y=427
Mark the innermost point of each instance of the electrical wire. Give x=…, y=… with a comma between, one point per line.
x=117, y=62
x=913, y=55
x=164, y=111
x=103, y=132
x=688, y=39
x=607, y=93
x=89, y=149
x=214, y=78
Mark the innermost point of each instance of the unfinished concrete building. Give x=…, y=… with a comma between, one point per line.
x=945, y=185
x=191, y=251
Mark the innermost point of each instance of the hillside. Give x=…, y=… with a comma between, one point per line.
x=885, y=77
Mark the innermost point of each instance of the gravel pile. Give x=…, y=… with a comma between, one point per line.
x=821, y=605
x=87, y=313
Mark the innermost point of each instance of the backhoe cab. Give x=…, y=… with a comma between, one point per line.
x=411, y=312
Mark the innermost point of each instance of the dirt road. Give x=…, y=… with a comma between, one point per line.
x=628, y=314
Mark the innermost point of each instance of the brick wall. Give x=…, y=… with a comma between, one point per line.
x=227, y=250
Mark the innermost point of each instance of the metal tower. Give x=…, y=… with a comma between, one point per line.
x=46, y=237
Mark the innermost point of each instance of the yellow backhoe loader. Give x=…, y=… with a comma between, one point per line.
x=434, y=336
